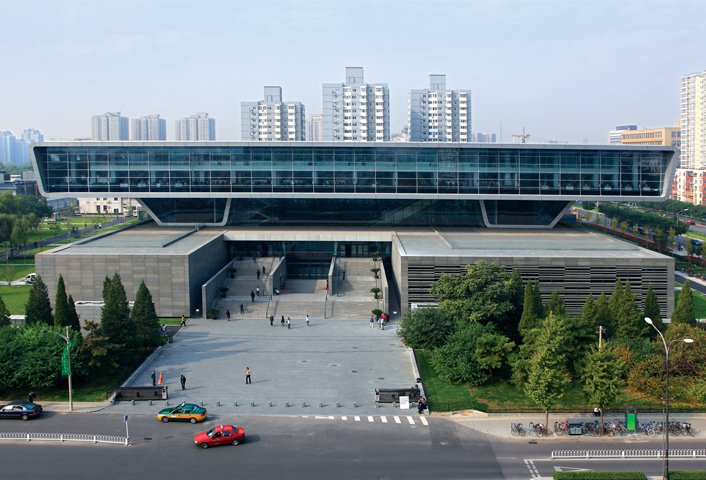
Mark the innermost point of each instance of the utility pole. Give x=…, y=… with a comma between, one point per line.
x=600, y=337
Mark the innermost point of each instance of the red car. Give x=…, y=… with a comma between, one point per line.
x=220, y=435
x=690, y=222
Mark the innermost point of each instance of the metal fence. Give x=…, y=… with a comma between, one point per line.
x=64, y=437
x=647, y=453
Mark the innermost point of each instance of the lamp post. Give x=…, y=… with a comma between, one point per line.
x=667, y=347
x=67, y=339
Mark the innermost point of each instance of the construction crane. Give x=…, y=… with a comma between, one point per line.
x=523, y=136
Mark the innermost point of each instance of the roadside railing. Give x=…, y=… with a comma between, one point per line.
x=64, y=437
x=647, y=453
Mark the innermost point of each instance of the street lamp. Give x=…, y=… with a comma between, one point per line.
x=67, y=339
x=667, y=347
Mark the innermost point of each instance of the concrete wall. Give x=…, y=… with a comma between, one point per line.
x=166, y=276
x=210, y=290
x=203, y=264
x=279, y=271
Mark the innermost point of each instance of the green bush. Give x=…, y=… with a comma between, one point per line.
x=688, y=475
x=426, y=328
x=455, y=361
x=595, y=475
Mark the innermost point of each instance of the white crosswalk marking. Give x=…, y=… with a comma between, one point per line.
x=356, y=418
x=344, y=417
x=424, y=420
x=410, y=420
x=370, y=419
x=384, y=419
x=397, y=419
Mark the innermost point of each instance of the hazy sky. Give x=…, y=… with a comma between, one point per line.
x=566, y=70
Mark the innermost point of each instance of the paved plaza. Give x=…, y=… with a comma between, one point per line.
x=330, y=367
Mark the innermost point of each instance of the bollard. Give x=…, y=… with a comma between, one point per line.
x=321, y=404
x=235, y=404
x=304, y=404
x=252, y=404
x=286, y=404
x=151, y=403
x=338, y=405
x=355, y=404
x=167, y=402
x=133, y=402
x=201, y=403
x=270, y=402
x=218, y=403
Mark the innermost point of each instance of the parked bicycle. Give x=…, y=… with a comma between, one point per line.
x=516, y=429
x=537, y=429
x=561, y=428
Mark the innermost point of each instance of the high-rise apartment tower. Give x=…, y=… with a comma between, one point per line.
x=356, y=111
x=195, y=127
x=109, y=126
x=271, y=119
x=150, y=127
x=439, y=115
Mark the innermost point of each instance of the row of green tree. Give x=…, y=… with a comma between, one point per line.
x=19, y=216
x=30, y=355
x=490, y=325
x=647, y=220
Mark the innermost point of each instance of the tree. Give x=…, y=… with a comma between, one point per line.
x=684, y=311
x=145, y=320
x=455, y=361
x=615, y=299
x=97, y=349
x=38, y=308
x=603, y=316
x=547, y=376
x=652, y=311
x=538, y=305
x=61, y=305
x=486, y=293
x=4, y=314
x=690, y=247
x=74, y=321
x=492, y=349
x=530, y=317
x=603, y=378
x=589, y=312
x=115, y=316
x=628, y=319
x=426, y=328
x=556, y=304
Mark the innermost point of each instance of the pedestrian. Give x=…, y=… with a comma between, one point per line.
x=247, y=376
x=183, y=321
x=258, y=274
x=371, y=321
x=164, y=329
x=282, y=321
x=252, y=296
x=242, y=309
x=154, y=377
x=283, y=317
x=596, y=412
x=289, y=323
x=421, y=405
x=257, y=291
x=30, y=397
x=380, y=323
x=344, y=275
x=228, y=315
x=272, y=320
x=182, y=379
x=263, y=270
x=307, y=320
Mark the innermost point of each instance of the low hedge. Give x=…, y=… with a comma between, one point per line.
x=596, y=475
x=688, y=475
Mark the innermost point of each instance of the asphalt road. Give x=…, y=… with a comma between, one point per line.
x=303, y=447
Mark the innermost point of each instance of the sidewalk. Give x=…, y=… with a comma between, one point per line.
x=498, y=424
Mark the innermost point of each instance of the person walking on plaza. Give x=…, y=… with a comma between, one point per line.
x=307, y=320
x=182, y=379
x=263, y=270
x=242, y=309
x=283, y=318
x=272, y=320
x=289, y=323
x=154, y=377
x=30, y=397
x=247, y=376
x=252, y=296
x=257, y=291
x=371, y=321
x=380, y=323
x=183, y=321
x=228, y=314
x=258, y=274
x=282, y=321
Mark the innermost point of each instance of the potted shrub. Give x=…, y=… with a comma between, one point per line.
x=232, y=271
x=213, y=313
x=223, y=291
x=375, y=291
x=376, y=272
x=377, y=312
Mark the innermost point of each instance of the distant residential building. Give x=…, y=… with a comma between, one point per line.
x=484, y=137
x=403, y=136
x=615, y=137
x=12, y=149
x=150, y=127
x=109, y=126
x=271, y=119
x=32, y=135
x=107, y=205
x=693, y=121
x=355, y=111
x=439, y=115
x=314, y=127
x=197, y=127
x=663, y=136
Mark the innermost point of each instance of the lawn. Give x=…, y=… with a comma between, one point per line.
x=15, y=298
x=699, y=302
x=16, y=269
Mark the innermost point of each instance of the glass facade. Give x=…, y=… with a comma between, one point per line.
x=144, y=171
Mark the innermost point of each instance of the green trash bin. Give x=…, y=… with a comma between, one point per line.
x=631, y=419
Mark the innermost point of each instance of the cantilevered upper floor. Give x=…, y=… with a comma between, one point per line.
x=161, y=170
